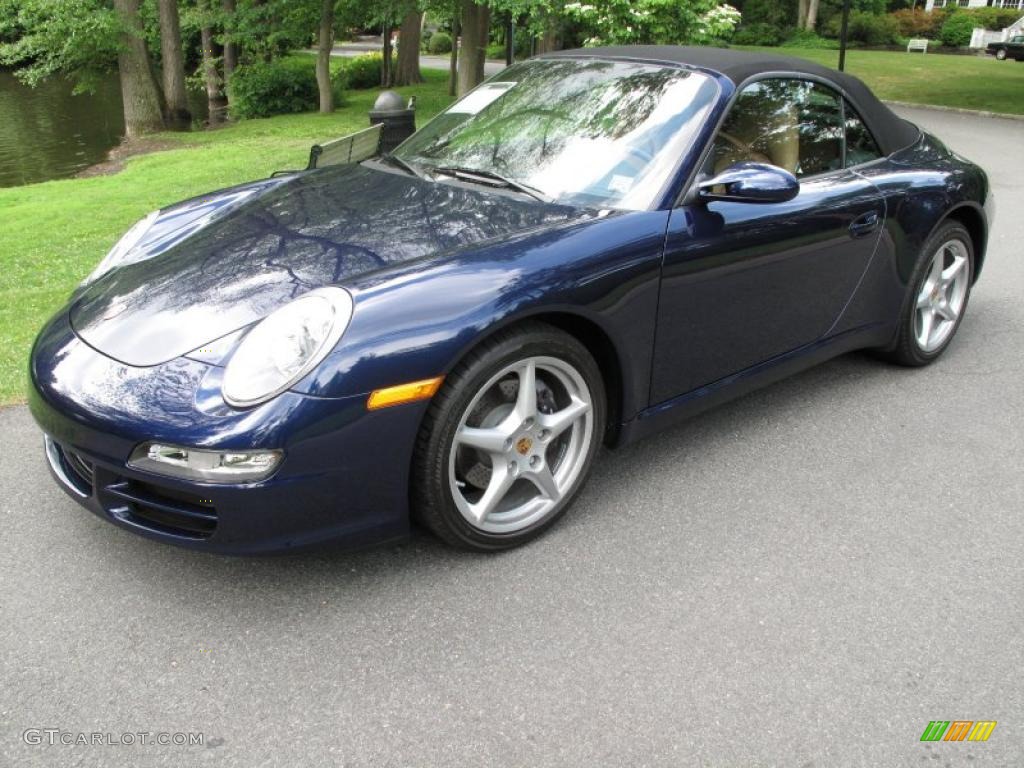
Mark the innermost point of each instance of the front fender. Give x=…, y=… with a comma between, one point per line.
x=417, y=322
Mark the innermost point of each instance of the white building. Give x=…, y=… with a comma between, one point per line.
x=983, y=37
x=929, y=4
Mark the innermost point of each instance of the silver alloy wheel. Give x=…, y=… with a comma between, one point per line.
x=521, y=445
x=942, y=296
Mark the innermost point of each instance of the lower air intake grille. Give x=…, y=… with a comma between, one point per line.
x=75, y=472
x=160, y=509
x=80, y=466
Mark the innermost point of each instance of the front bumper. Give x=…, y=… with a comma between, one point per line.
x=344, y=476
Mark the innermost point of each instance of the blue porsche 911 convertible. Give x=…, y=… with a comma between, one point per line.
x=589, y=246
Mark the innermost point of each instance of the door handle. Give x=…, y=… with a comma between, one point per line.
x=865, y=224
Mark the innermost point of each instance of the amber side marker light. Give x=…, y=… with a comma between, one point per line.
x=403, y=393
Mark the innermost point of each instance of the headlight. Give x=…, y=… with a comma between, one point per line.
x=212, y=466
x=286, y=345
x=124, y=250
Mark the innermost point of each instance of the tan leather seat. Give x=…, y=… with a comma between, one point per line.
x=743, y=139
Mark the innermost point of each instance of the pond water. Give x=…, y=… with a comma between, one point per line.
x=48, y=133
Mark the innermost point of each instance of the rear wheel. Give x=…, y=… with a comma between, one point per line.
x=509, y=439
x=940, y=288
x=1001, y=54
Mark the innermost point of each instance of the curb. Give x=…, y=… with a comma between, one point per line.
x=954, y=110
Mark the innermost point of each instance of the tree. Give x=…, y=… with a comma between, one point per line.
x=37, y=49
x=407, y=70
x=812, y=14
x=177, y=113
x=627, y=22
x=230, y=46
x=85, y=40
x=209, y=56
x=453, y=61
x=476, y=25
x=142, y=108
x=323, y=56
x=547, y=40
x=543, y=19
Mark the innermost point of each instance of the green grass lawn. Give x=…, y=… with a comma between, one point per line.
x=53, y=234
x=967, y=82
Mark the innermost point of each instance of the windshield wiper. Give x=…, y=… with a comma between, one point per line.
x=491, y=178
x=394, y=160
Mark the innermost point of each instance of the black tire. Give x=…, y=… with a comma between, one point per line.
x=431, y=493
x=906, y=350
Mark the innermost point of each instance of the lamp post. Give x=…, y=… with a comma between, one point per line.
x=842, y=35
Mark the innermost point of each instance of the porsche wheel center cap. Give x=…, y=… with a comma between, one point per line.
x=523, y=445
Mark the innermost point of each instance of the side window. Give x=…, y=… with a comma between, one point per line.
x=794, y=124
x=860, y=144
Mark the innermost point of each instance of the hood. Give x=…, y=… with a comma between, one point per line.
x=315, y=229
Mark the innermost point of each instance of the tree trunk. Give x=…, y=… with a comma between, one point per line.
x=476, y=23
x=211, y=77
x=407, y=71
x=142, y=113
x=510, y=40
x=230, y=47
x=812, y=14
x=323, y=56
x=801, y=14
x=454, y=59
x=547, y=41
x=386, y=75
x=175, y=98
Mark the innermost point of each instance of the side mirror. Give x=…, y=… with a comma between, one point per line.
x=750, y=183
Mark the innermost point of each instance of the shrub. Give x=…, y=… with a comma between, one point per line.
x=362, y=72
x=496, y=51
x=425, y=36
x=440, y=42
x=919, y=23
x=771, y=12
x=993, y=18
x=758, y=34
x=867, y=28
x=277, y=87
x=803, y=38
x=957, y=29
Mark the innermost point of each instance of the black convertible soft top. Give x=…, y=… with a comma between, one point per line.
x=891, y=132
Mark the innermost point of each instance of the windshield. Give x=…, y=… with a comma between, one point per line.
x=586, y=132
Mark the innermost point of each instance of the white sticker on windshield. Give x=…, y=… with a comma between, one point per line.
x=480, y=98
x=621, y=184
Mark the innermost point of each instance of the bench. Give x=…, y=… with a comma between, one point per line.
x=917, y=44
x=353, y=148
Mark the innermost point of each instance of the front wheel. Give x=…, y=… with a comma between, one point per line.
x=939, y=290
x=509, y=439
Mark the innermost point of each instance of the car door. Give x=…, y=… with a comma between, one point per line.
x=744, y=282
x=1015, y=47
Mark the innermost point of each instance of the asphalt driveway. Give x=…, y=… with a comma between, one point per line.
x=805, y=577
